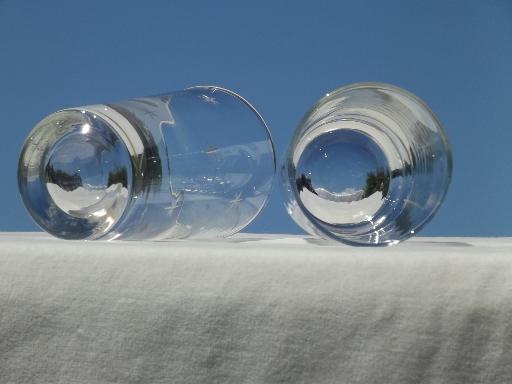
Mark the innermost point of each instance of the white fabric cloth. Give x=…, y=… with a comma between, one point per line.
x=255, y=309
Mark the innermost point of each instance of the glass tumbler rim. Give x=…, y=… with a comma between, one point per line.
x=251, y=107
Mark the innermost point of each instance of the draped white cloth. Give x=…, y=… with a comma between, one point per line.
x=255, y=309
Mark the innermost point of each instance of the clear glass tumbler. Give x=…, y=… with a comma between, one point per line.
x=198, y=162
x=369, y=164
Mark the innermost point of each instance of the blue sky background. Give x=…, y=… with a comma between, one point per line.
x=282, y=56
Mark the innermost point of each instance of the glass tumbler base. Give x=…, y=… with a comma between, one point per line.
x=75, y=175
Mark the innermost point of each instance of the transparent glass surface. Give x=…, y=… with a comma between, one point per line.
x=369, y=164
x=198, y=162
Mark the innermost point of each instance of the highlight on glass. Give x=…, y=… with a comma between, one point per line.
x=369, y=164
x=193, y=163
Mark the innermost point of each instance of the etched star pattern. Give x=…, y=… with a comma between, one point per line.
x=236, y=200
